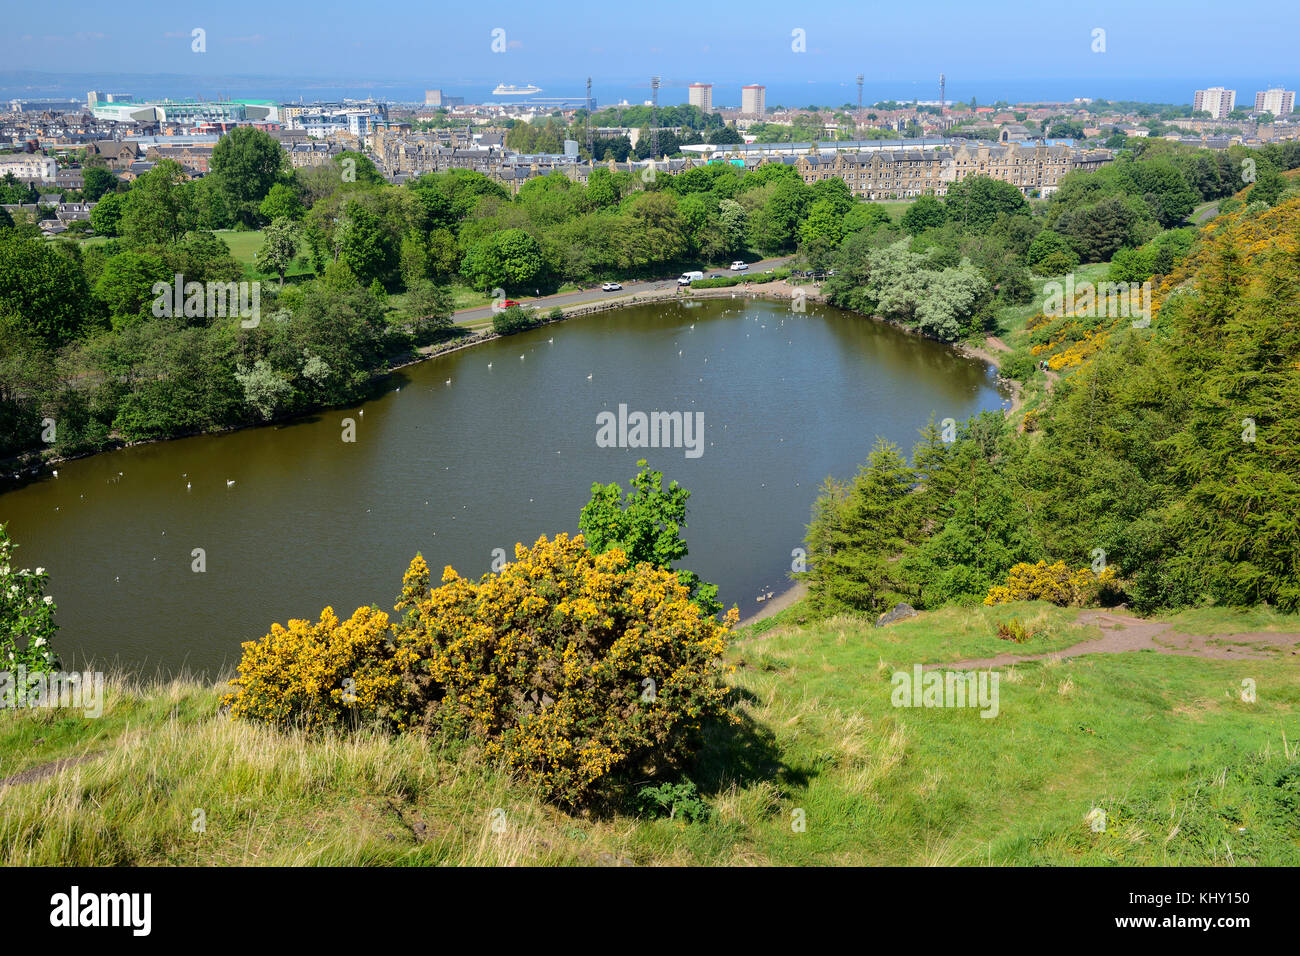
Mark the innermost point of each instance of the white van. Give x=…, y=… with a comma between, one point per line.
x=688, y=277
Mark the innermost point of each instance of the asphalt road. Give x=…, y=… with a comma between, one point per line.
x=585, y=296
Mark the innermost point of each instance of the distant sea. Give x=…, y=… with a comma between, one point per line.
x=611, y=91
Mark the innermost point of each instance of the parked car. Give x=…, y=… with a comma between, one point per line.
x=739, y=266
x=611, y=287
x=717, y=275
x=688, y=277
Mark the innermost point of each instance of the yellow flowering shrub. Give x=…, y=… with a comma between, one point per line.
x=579, y=670
x=1051, y=582
x=323, y=674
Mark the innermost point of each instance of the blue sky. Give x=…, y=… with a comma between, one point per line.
x=440, y=44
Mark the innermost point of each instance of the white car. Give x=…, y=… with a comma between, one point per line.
x=739, y=266
x=611, y=287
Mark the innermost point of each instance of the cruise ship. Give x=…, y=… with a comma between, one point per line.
x=506, y=90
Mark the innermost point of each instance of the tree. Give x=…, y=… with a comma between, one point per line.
x=48, y=289
x=976, y=202
x=857, y=531
x=365, y=244
x=125, y=285
x=281, y=202
x=97, y=182
x=508, y=259
x=925, y=212
x=280, y=247
x=1047, y=243
x=246, y=163
x=1268, y=187
x=264, y=389
x=646, y=525
x=159, y=207
x=106, y=217
x=430, y=307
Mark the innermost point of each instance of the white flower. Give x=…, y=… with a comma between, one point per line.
x=40, y=570
x=38, y=642
x=48, y=599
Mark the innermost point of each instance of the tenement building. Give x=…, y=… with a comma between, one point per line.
x=1033, y=168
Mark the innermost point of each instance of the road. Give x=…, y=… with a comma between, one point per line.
x=586, y=296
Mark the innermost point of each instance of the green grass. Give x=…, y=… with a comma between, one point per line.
x=1186, y=771
x=1223, y=620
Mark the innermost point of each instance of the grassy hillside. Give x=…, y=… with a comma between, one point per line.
x=1187, y=772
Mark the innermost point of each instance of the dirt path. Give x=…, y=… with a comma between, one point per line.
x=41, y=771
x=1122, y=633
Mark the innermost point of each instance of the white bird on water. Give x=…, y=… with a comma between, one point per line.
x=187, y=486
x=589, y=378
x=56, y=472
x=448, y=382
x=521, y=358
x=489, y=364
x=230, y=482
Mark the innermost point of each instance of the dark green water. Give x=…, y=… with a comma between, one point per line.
x=502, y=454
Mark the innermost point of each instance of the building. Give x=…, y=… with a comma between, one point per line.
x=439, y=98
x=1277, y=102
x=1033, y=168
x=1216, y=101
x=701, y=95
x=185, y=112
x=753, y=101
x=29, y=166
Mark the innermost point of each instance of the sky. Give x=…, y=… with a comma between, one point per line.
x=1146, y=48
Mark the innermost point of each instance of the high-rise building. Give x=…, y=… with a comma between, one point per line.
x=753, y=100
x=1216, y=101
x=701, y=95
x=439, y=98
x=1277, y=102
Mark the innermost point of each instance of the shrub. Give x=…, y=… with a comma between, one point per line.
x=1051, y=582
x=578, y=670
x=26, y=615
x=1056, y=264
x=676, y=801
x=513, y=319
x=322, y=675
x=1014, y=630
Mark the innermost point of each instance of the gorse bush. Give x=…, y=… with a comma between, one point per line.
x=578, y=670
x=1051, y=582
x=323, y=674
x=581, y=672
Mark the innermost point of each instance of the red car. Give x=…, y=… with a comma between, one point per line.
x=509, y=302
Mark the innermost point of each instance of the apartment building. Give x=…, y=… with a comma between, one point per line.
x=701, y=95
x=1034, y=169
x=29, y=166
x=1216, y=101
x=753, y=101
x=1277, y=102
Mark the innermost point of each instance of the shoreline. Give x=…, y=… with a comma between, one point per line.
x=14, y=471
